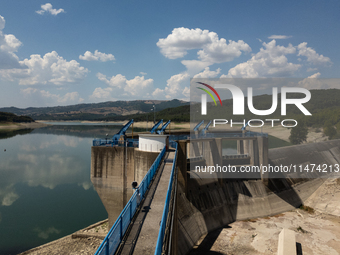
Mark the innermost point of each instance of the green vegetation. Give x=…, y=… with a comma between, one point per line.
x=274, y=142
x=298, y=134
x=10, y=117
x=307, y=208
x=100, y=111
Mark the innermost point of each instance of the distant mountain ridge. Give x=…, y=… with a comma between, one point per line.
x=93, y=111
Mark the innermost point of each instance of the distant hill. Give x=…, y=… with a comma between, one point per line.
x=94, y=111
x=10, y=117
x=324, y=106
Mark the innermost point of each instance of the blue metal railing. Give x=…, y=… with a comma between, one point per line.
x=116, y=233
x=159, y=245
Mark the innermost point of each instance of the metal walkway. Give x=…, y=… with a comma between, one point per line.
x=141, y=237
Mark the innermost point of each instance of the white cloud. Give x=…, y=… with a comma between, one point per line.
x=311, y=69
x=102, y=93
x=142, y=73
x=208, y=74
x=8, y=45
x=51, y=68
x=48, y=8
x=194, y=66
x=312, y=82
x=175, y=85
x=2, y=22
x=268, y=62
x=52, y=99
x=212, y=49
x=179, y=84
x=97, y=56
x=316, y=75
x=311, y=55
x=183, y=39
x=220, y=51
x=120, y=85
x=279, y=37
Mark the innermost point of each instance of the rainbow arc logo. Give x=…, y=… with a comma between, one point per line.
x=209, y=93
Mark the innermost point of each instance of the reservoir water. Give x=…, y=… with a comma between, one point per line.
x=45, y=187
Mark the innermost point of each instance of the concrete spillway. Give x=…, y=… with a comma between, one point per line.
x=208, y=204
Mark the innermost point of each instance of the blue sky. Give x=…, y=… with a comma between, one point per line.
x=81, y=51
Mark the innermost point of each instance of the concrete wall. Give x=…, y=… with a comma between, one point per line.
x=207, y=204
x=113, y=169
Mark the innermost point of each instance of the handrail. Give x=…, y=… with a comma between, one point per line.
x=115, y=235
x=161, y=232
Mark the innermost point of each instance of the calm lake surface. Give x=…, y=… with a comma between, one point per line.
x=45, y=187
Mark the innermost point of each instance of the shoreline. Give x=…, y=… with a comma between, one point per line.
x=83, y=241
x=22, y=125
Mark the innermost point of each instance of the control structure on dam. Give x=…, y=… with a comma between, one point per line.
x=151, y=188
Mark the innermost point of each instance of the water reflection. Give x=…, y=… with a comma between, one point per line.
x=45, y=186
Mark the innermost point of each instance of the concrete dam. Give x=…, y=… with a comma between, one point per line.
x=206, y=204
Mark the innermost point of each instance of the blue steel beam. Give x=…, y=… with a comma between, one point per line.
x=244, y=127
x=154, y=128
x=121, y=132
x=198, y=125
x=164, y=127
x=206, y=127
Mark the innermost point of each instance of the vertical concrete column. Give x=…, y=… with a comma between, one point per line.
x=246, y=146
x=256, y=152
x=217, y=156
x=251, y=151
x=182, y=164
x=240, y=149
x=263, y=156
x=287, y=243
x=207, y=152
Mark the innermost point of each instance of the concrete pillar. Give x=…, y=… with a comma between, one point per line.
x=240, y=149
x=207, y=152
x=182, y=164
x=287, y=243
x=246, y=146
x=251, y=151
x=263, y=156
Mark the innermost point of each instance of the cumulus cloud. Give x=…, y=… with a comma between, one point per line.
x=195, y=66
x=211, y=48
x=311, y=55
x=178, y=86
x=279, y=36
x=48, y=98
x=208, y=74
x=270, y=61
x=174, y=88
x=142, y=73
x=312, y=82
x=9, y=44
x=51, y=68
x=183, y=39
x=120, y=85
x=49, y=9
x=97, y=56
